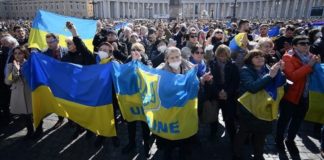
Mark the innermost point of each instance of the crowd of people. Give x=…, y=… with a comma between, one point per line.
x=224, y=73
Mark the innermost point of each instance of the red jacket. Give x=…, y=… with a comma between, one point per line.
x=296, y=72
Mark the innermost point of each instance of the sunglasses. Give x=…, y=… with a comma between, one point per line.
x=52, y=41
x=304, y=43
x=138, y=50
x=197, y=52
x=193, y=36
x=219, y=32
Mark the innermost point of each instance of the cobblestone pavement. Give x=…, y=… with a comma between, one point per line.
x=59, y=144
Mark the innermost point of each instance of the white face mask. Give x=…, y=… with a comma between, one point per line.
x=102, y=54
x=162, y=48
x=175, y=65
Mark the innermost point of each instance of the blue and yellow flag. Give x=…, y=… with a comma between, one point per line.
x=82, y=94
x=236, y=43
x=316, y=95
x=168, y=102
x=47, y=22
x=127, y=92
x=265, y=104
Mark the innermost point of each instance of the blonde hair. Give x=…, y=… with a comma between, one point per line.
x=264, y=40
x=138, y=46
x=223, y=49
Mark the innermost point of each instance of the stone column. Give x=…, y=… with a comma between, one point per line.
x=302, y=9
x=241, y=9
x=163, y=9
x=279, y=14
x=143, y=10
x=309, y=8
x=248, y=10
x=260, y=13
x=254, y=9
x=273, y=9
x=287, y=8
x=294, y=10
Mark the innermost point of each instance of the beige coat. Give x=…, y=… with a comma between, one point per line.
x=20, y=102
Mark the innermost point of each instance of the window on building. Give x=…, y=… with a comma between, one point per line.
x=71, y=6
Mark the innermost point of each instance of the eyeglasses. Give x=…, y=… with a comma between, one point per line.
x=138, y=50
x=219, y=32
x=197, y=52
x=304, y=43
x=193, y=36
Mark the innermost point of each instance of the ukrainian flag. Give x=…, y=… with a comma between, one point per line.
x=316, y=95
x=265, y=104
x=127, y=92
x=81, y=93
x=47, y=22
x=168, y=101
x=236, y=43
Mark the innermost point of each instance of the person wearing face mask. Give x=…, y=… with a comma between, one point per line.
x=20, y=102
x=105, y=53
x=159, y=57
x=294, y=104
x=104, y=56
x=224, y=88
x=175, y=64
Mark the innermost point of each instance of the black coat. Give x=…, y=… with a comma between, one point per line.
x=4, y=89
x=121, y=53
x=231, y=84
x=82, y=56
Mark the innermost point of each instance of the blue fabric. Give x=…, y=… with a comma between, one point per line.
x=70, y=81
x=202, y=68
x=274, y=31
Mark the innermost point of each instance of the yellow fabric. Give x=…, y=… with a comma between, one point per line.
x=315, y=111
x=98, y=119
x=37, y=39
x=131, y=107
x=177, y=122
x=261, y=105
